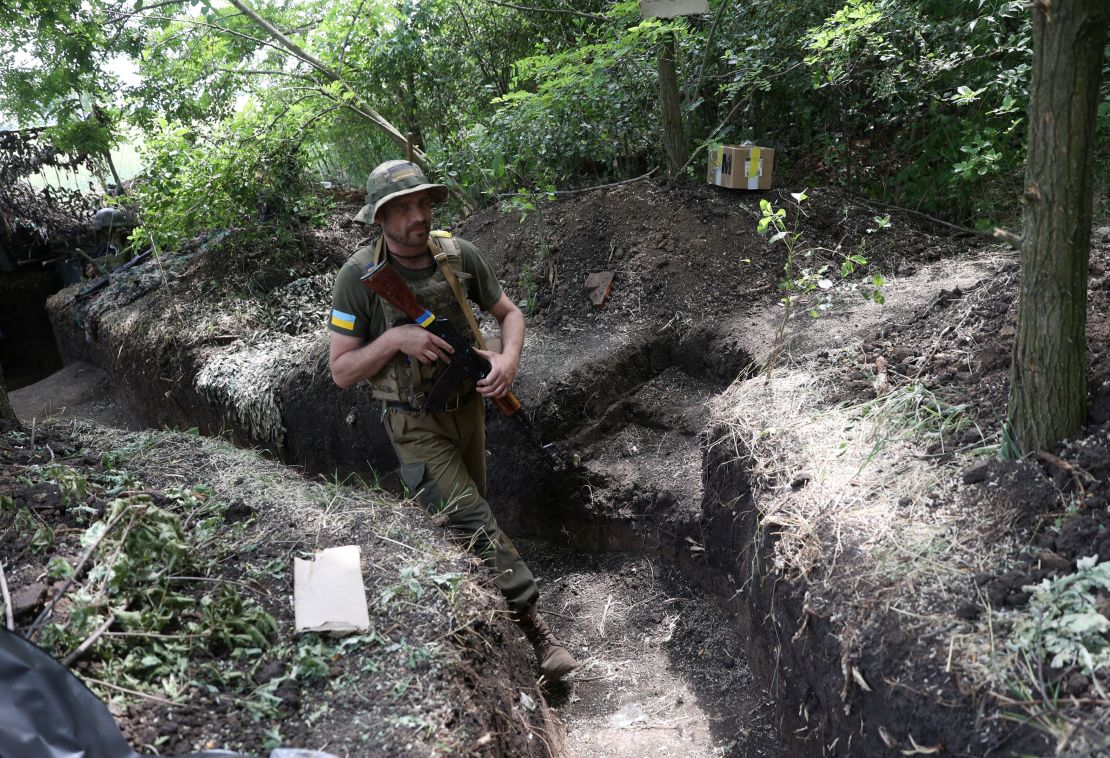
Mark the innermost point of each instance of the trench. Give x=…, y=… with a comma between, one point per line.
x=28, y=352
x=634, y=576
x=644, y=550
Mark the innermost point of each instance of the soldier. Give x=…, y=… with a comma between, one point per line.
x=441, y=454
x=110, y=228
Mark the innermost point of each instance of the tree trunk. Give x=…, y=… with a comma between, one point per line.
x=674, y=138
x=7, y=414
x=1048, y=379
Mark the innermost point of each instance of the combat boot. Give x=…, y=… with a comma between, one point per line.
x=555, y=660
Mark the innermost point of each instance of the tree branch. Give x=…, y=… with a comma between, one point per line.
x=580, y=14
x=474, y=47
x=258, y=72
x=350, y=30
x=691, y=94
x=957, y=227
x=216, y=27
x=358, y=106
x=152, y=6
x=92, y=638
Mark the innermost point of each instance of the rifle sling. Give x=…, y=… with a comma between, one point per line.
x=456, y=287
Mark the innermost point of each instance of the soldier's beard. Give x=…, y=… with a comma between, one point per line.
x=415, y=236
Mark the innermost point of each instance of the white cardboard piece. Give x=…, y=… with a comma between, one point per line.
x=328, y=594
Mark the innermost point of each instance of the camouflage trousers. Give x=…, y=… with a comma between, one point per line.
x=443, y=464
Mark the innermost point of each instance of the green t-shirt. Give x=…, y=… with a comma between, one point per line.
x=356, y=309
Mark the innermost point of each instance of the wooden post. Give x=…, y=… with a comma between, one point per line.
x=675, y=147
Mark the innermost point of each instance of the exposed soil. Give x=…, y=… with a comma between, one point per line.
x=745, y=593
x=439, y=671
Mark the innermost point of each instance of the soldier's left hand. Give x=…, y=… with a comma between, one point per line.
x=502, y=373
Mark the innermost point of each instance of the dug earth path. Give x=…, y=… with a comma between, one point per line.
x=663, y=672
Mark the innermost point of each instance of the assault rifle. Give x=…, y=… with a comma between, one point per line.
x=464, y=363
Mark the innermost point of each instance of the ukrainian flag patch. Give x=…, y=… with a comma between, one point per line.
x=342, y=320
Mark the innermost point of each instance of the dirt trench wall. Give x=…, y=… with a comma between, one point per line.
x=822, y=709
x=274, y=392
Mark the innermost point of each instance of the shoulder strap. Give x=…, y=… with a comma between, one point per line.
x=444, y=247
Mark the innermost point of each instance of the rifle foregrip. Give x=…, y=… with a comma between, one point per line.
x=508, y=404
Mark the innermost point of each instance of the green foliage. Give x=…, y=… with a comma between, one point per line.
x=575, y=112
x=56, y=68
x=922, y=101
x=806, y=281
x=24, y=521
x=239, y=174
x=144, y=561
x=1064, y=621
x=539, y=272
x=408, y=585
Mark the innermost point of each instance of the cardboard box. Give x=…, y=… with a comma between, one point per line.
x=737, y=167
x=672, y=8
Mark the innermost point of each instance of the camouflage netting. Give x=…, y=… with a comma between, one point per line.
x=247, y=381
x=29, y=215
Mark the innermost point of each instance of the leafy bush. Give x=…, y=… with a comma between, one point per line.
x=578, y=114
x=239, y=174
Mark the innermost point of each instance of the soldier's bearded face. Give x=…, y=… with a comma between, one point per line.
x=407, y=220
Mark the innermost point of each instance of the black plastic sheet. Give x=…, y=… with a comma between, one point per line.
x=47, y=712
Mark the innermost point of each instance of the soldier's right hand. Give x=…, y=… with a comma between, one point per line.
x=417, y=342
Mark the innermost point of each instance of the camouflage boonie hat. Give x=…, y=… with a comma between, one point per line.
x=393, y=179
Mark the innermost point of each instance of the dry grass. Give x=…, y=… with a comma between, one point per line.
x=856, y=503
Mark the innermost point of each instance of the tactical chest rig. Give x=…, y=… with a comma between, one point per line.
x=408, y=381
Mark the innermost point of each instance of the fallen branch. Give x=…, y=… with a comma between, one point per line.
x=1009, y=238
x=92, y=638
x=8, y=616
x=606, y=186
x=604, y=615
x=591, y=189
x=936, y=220
x=1004, y=700
x=137, y=693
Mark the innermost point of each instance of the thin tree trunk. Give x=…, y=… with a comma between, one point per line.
x=1048, y=380
x=674, y=136
x=7, y=413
